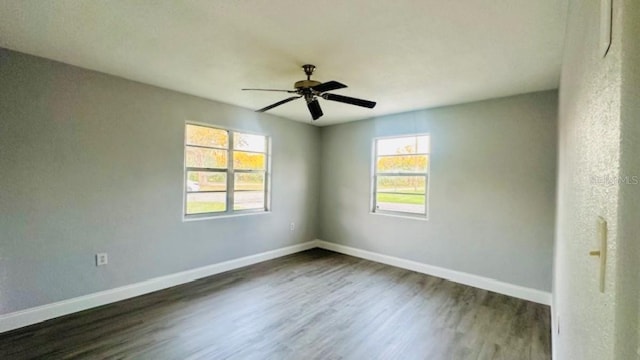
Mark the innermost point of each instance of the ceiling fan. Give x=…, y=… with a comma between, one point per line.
x=311, y=90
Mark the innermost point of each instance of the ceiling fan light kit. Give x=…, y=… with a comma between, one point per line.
x=311, y=90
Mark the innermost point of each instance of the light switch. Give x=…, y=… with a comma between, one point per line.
x=601, y=232
x=602, y=242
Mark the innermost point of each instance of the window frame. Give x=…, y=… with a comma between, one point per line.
x=230, y=171
x=375, y=174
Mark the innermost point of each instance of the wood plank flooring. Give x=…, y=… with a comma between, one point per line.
x=311, y=305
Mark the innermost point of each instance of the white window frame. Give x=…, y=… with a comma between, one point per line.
x=375, y=174
x=230, y=171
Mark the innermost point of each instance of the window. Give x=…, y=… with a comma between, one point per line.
x=225, y=171
x=401, y=175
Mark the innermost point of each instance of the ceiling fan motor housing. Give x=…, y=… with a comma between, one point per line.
x=302, y=84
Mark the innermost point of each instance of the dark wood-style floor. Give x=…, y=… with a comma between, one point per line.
x=311, y=305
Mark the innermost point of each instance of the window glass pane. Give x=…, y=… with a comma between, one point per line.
x=249, y=142
x=206, y=158
x=243, y=200
x=403, y=145
x=402, y=163
x=198, y=203
x=401, y=184
x=248, y=161
x=207, y=164
x=400, y=155
x=249, y=181
x=206, y=181
x=206, y=136
x=401, y=202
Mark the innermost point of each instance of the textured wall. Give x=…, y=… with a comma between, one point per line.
x=93, y=163
x=589, y=168
x=492, y=188
x=628, y=279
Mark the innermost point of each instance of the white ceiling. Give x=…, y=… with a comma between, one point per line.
x=405, y=55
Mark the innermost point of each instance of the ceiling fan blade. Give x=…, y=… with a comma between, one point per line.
x=278, y=103
x=328, y=86
x=314, y=109
x=349, y=100
x=278, y=90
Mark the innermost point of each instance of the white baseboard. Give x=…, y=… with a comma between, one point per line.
x=38, y=314
x=481, y=282
x=45, y=312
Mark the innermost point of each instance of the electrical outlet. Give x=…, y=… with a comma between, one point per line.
x=102, y=259
x=292, y=226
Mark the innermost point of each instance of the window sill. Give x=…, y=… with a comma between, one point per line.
x=404, y=216
x=226, y=216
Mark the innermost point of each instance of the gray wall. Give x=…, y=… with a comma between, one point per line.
x=94, y=163
x=628, y=277
x=492, y=188
x=599, y=139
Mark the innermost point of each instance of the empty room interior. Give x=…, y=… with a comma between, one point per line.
x=320, y=180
